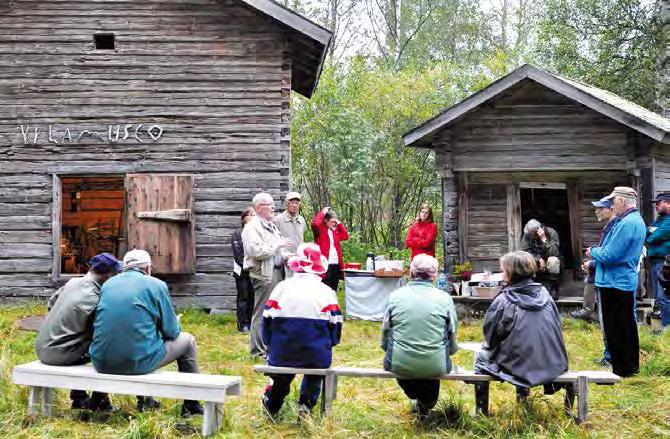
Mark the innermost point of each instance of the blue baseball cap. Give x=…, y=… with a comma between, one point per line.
x=663, y=196
x=605, y=203
x=104, y=263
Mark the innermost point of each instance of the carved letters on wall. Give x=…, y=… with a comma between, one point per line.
x=33, y=135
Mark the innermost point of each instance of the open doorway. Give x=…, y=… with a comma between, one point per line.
x=549, y=205
x=92, y=216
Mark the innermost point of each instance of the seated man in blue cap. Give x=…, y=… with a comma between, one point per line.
x=67, y=332
x=604, y=214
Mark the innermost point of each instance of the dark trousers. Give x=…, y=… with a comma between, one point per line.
x=333, y=276
x=620, y=330
x=281, y=386
x=425, y=392
x=245, y=300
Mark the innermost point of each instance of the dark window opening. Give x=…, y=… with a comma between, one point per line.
x=92, y=215
x=104, y=41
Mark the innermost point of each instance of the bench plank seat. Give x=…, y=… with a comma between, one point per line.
x=212, y=389
x=576, y=383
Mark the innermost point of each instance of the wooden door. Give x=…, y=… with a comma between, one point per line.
x=160, y=220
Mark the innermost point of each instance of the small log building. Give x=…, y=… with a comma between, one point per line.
x=143, y=124
x=537, y=145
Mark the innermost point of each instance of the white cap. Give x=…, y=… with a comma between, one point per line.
x=136, y=258
x=292, y=196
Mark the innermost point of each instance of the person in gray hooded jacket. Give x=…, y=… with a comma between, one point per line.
x=67, y=331
x=522, y=330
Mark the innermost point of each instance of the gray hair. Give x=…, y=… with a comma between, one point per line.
x=628, y=202
x=261, y=197
x=423, y=266
x=531, y=227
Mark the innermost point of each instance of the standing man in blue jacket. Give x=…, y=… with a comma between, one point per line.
x=616, y=259
x=658, y=247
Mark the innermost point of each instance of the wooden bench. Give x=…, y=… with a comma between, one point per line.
x=578, y=384
x=212, y=389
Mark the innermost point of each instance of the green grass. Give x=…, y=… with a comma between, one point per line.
x=639, y=407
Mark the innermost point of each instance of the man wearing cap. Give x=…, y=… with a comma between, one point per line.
x=658, y=247
x=291, y=225
x=604, y=214
x=67, y=331
x=136, y=330
x=302, y=322
x=617, y=258
x=264, y=254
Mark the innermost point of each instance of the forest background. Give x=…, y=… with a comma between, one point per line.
x=393, y=64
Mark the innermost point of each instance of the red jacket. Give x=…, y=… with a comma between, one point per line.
x=320, y=230
x=421, y=238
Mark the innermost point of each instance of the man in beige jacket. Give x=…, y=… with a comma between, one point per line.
x=264, y=250
x=291, y=225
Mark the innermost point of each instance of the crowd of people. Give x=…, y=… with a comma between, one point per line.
x=120, y=318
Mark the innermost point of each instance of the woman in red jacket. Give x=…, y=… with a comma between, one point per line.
x=328, y=232
x=422, y=234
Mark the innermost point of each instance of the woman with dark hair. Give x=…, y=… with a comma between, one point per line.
x=328, y=232
x=522, y=330
x=422, y=234
x=245, y=291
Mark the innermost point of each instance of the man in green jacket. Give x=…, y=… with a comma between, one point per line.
x=136, y=330
x=419, y=335
x=658, y=247
x=67, y=331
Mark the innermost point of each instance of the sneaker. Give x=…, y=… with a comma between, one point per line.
x=80, y=404
x=303, y=412
x=100, y=403
x=266, y=409
x=244, y=330
x=583, y=314
x=418, y=410
x=603, y=362
x=147, y=403
x=191, y=408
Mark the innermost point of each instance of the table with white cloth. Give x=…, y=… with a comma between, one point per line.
x=366, y=295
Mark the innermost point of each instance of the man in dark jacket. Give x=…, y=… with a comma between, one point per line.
x=522, y=330
x=658, y=247
x=542, y=243
x=245, y=290
x=67, y=331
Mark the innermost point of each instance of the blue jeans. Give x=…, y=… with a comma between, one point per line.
x=659, y=292
x=310, y=389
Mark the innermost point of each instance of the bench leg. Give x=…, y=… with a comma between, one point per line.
x=329, y=392
x=47, y=396
x=582, y=398
x=482, y=398
x=34, y=400
x=569, y=400
x=212, y=418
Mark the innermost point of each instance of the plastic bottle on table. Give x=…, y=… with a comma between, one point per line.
x=442, y=281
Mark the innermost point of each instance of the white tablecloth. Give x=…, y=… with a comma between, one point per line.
x=367, y=296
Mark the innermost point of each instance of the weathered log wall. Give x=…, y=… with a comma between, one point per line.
x=215, y=76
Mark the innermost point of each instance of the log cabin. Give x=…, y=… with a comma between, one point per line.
x=535, y=144
x=143, y=124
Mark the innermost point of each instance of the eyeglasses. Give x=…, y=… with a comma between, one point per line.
x=267, y=204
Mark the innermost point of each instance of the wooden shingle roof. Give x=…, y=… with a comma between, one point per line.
x=608, y=104
x=307, y=40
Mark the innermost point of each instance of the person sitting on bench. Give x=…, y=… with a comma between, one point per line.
x=136, y=330
x=542, y=243
x=67, y=331
x=419, y=335
x=522, y=330
x=301, y=323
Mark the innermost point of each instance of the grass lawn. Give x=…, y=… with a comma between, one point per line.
x=638, y=408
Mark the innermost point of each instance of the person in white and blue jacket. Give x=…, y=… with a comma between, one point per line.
x=301, y=323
